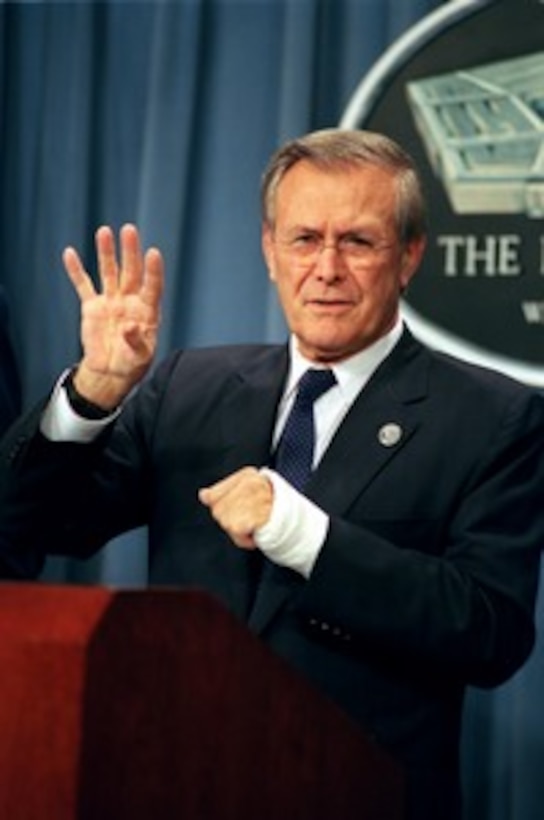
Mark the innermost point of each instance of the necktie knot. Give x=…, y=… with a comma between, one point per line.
x=312, y=385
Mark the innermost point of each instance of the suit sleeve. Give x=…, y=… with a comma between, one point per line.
x=65, y=498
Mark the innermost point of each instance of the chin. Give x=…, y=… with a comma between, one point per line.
x=324, y=351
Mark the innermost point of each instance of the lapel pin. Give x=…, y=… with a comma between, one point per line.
x=390, y=434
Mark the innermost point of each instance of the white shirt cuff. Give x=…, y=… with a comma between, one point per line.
x=60, y=423
x=296, y=530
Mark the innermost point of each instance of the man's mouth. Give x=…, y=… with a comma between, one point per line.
x=328, y=303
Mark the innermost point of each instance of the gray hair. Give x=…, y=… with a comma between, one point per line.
x=334, y=148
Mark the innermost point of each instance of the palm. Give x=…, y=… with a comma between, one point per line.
x=118, y=334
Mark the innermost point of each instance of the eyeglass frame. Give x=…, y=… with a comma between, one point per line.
x=306, y=247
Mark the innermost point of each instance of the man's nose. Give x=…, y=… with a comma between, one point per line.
x=330, y=265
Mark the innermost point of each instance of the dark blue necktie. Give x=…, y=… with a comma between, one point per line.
x=295, y=451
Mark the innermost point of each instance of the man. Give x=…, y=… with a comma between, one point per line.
x=406, y=567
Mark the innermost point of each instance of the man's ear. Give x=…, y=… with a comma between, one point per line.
x=269, y=253
x=411, y=260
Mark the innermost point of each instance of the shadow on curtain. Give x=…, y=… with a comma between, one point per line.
x=164, y=114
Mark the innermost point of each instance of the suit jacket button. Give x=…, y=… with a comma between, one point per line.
x=325, y=626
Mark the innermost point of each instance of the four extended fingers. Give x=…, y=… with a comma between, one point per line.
x=134, y=274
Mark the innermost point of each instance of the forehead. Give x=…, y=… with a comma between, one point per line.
x=345, y=192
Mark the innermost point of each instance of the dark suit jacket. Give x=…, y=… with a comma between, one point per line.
x=428, y=575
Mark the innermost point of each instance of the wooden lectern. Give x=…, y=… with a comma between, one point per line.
x=155, y=705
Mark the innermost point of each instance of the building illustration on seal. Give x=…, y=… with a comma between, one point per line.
x=483, y=131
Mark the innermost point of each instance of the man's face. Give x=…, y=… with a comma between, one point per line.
x=336, y=259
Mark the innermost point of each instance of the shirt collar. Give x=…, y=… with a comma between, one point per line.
x=351, y=374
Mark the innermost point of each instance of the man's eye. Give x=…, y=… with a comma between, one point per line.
x=305, y=239
x=356, y=241
x=305, y=243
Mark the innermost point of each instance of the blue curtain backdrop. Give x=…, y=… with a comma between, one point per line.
x=164, y=114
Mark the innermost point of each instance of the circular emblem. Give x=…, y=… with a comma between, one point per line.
x=390, y=434
x=462, y=92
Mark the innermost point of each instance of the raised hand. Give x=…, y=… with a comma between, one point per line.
x=119, y=321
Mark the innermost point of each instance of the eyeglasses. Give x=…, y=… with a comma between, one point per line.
x=356, y=250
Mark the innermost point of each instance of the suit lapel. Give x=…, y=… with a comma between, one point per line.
x=378, y=426
x=249, y=412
